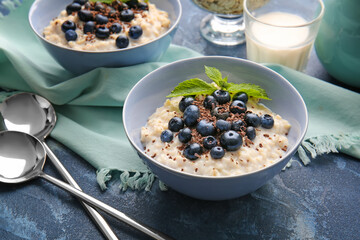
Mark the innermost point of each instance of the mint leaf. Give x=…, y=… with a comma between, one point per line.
x=250, y=89
x=215, y=75
x=191, y=87
x=225, y=85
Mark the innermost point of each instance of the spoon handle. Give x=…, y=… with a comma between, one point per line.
x=99, y=220
x=106, y=208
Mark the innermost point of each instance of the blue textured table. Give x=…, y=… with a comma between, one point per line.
x=320, y=201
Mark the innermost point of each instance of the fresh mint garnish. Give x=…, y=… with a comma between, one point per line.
x=197, y=86
x=191, y=87
x=251, y=90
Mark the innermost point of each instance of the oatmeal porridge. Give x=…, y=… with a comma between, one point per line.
x=215, y=129
x=96, y=26
x=265, y=149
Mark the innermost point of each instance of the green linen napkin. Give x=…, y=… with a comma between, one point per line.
x=89, y=106
x=334, y=115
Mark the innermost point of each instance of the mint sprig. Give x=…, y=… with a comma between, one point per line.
x=197, y=86
x=192, y=87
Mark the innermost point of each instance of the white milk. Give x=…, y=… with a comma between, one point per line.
x=283, y=45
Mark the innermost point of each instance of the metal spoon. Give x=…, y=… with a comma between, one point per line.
x=22, y=158
x=30, y=113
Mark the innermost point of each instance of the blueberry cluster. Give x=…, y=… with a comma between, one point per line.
x=102, y=20
x=216, y=124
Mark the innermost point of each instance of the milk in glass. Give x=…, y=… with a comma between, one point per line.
x=278, y=37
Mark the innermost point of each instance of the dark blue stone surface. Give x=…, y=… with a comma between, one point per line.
x=319, y=201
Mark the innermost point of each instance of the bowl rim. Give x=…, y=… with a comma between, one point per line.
x=185, y=174
x=307, y=24
x=174, y=26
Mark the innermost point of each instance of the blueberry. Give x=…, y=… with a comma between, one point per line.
x=111, y=13
x=135, y=32
x=185, y=135
x=99, y=7
x=191, y=115
x=238, y=106
x=237, y=125
x=126, y=15
x=89, y=27
x=68, y=25
x=115, y=28
x=193, y=151
x=81, y=2
x=132, y=3
x=205, y=128
x=71, y=35
x=185, y=102
x=209, y=142
x=122, y=6
x=210, y=102
x=223, y=125
x=73, y=7
x=175, y=124
x=166, y=136
x=231, y=140
x=122, y=41
x=220, y=113
x=252, y=119
x=217, y=152
x=100, y=19
x=102, y=32
x=109, y=9
x=87, y=6
x=125, y=6
x=250, y=132
x=267, y=121
x=241, y=96
x=85, y=15
x=142, y=6
x=221, y=96
x=116, y=4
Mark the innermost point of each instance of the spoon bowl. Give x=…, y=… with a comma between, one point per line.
x=29, y=113
x=33, y=114
x=22, y=158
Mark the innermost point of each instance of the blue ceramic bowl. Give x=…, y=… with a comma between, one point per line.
x=43, y=11
x=151, y=91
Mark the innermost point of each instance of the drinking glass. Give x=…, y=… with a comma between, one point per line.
x=282, y=31
x=225, y=25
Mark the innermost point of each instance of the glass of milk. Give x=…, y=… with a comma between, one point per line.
x=282, y=31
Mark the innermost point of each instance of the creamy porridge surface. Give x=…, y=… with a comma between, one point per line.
x=154, y=23
x=268, y=147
